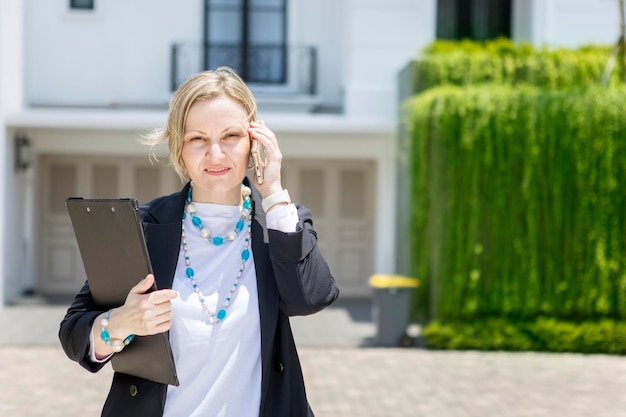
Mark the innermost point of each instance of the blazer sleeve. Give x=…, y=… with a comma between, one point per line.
x=75, y=328
x=304, y=281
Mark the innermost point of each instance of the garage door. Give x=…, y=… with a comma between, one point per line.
x=341, y=196
x=60, y=268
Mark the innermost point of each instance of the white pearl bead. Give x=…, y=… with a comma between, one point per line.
x=191, y=208
x=205, y=233
x=232, y=235
x=117, y=345
x=245, y=213
x=245, y=191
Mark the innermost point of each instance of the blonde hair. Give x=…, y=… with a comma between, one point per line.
x=201, y=86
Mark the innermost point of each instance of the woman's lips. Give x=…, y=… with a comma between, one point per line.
x=216, y=171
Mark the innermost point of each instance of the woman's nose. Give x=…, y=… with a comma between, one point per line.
x=214, y=151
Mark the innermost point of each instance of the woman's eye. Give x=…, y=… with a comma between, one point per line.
x=195, y=142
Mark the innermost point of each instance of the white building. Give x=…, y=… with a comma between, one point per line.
x=81, y=80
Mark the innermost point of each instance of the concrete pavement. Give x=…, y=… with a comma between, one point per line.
x=345, y=376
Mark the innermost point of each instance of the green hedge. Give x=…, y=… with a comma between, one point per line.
x=519, y=202
x=542, y=334
x=503, y=62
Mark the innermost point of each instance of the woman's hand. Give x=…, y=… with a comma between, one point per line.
x=271, y=164
x=142, y=314
x=145, y=313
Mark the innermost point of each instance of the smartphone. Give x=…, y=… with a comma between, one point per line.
x=256, y=158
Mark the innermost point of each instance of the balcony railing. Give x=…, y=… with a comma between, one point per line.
x=271, y=69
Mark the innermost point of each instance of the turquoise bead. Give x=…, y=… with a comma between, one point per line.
x=104, y=335
x=246, y=253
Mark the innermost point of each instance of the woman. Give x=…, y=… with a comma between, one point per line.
x=232, y=262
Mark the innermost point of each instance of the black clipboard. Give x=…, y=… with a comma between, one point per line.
x=113, y=249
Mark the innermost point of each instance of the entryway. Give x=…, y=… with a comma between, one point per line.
x=340, y=194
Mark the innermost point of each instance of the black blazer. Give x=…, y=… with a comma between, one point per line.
x=292, y=279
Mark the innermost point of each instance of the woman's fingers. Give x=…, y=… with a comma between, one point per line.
x=143, y=286
x=162, y=296
x=265, y=136
x=157, y=309
x=147, y=314
x=272, y=160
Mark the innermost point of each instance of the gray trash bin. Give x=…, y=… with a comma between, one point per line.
x=392, y=308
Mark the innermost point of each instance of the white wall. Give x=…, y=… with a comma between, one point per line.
x=120, y=52
x=322, y=23
x=566, y=23
x=383, y=36
x=581, y=22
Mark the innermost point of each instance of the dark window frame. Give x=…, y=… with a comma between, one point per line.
x=246, y=46
x=479, y=20
x=82, y=5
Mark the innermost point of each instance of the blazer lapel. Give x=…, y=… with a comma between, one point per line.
x=162, y=229
x=268, y=303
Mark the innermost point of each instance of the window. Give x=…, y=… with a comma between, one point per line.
x=473, y=19
x=82, y=4
x=249, y=36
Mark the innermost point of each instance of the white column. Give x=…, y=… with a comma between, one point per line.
x=521, y=20
x=11, y=101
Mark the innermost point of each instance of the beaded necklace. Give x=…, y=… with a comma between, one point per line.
x=218, y=240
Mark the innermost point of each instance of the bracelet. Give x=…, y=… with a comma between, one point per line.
x=116, y=345
x=276, y=198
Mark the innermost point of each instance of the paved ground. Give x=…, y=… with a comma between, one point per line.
x=346, y=376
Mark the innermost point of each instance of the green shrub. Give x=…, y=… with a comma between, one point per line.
x=493, y=334
x=517, y=156
x=543, y=334
x=518, y=202
x=503, y=62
